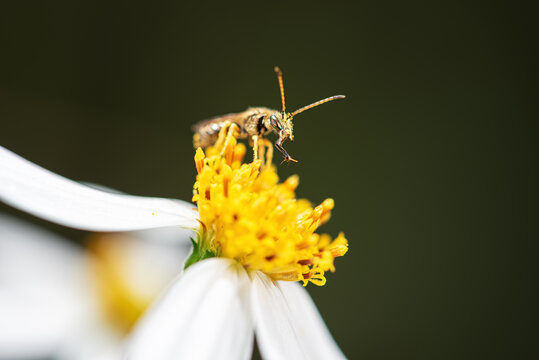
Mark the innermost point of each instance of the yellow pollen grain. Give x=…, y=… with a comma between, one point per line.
x=249, y=216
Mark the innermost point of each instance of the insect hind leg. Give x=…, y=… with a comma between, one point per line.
x=222, y=134
x=230, y=129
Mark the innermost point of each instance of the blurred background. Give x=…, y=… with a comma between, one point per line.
x=430, y=158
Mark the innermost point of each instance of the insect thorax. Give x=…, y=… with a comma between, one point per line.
x=255, y=121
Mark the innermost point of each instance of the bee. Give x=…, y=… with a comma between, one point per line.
x=255, y=123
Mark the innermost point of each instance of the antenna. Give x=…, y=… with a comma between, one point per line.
x=281, y=86
x=320, y=102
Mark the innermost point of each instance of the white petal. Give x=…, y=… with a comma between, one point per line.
x=28, y=327
x=311, y=331
x=275, y=335
x=287, y=323
x=204, y=315
x=44, y=290
x=93, y=343
x=42, y=193
x=163, y=235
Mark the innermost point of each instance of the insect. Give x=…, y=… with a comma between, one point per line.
x=255, y=122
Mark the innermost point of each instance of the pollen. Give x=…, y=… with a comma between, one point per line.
x=248, y=215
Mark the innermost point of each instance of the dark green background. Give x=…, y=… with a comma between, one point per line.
x=430, y=159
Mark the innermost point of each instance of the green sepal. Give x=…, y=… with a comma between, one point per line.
x=197, y=254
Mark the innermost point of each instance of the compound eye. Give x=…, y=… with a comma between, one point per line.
x=275, y=122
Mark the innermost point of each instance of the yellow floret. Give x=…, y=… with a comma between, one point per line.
x=247, y=215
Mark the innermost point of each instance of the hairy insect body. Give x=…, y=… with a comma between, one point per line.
x=255, y=123
x=251, y=122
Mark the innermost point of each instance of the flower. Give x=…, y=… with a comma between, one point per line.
x=255, y=240
x=59, y=300
x=247, y=215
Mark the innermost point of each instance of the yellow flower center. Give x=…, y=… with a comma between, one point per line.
x=123, y=297
x=247, y=215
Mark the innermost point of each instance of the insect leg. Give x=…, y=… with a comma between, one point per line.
x=255, y=147
x=231, y=129
x=222, y=134
x=287, y=157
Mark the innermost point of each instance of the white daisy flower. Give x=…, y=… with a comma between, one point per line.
x=63, y=301
x=254, y=241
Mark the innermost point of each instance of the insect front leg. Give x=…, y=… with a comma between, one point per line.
x=279, y=147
